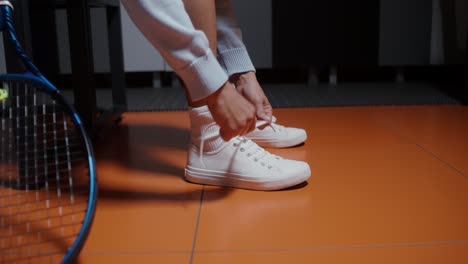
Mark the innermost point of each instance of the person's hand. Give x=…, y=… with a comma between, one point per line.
x=247, y=85
x=231, y=111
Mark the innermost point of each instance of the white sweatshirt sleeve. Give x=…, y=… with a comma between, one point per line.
x=166, y=24
x=232, y=53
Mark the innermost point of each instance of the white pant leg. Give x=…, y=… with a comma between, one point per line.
x=166, y=24
x=232, y=53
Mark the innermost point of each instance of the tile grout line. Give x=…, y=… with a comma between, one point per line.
x=150, y=252
x=197, y=225
x=443, y=161
x=408, y=140
x=341, y=247
x=293, y=249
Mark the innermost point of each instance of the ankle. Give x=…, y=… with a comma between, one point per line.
x=204, y=130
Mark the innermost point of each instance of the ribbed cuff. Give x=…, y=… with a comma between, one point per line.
x=197, y=111
x=203, y=77
x=235, y=61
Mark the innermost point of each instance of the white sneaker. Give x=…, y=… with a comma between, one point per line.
x=238, y=163
x=241, y=163
x=277, y=136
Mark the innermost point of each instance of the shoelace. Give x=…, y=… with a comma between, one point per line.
x=245, y=145
x=272, y=124
x=254, y=151
x=276, y=127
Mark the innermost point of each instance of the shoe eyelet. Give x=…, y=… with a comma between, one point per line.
x=248, y=154
x=256, y=159
x=235, y=145
x=242, y=149
x=269, y=167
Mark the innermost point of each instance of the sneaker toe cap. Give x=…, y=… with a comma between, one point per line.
x=296, y=169
x=297, y=135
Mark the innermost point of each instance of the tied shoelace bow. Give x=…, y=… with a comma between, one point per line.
x=244, y=144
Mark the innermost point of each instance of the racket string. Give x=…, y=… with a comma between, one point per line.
x=41, y=159
x=70, y=175
x=45, y=200
x=44, y=218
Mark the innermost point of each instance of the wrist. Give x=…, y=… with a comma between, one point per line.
x=210, y=100
x=241, y=77
x=213, y=99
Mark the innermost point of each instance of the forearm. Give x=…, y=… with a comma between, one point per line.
x=166, y=24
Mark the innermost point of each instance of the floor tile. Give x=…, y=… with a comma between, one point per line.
x=368, y=186
x=441, y=130
x=144, y=205
x=427, y=254
x=141, y=258
x=381, y=192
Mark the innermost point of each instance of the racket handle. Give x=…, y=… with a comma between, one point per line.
x=7, y=3
x=6, y=25
x=3, y=8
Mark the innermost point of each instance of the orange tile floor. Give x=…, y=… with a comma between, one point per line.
x=388, y=185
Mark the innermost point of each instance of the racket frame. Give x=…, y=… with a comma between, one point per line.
x=33, y=75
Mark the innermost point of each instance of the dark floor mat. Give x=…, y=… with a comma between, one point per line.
x=357, y=95
x=296, y=95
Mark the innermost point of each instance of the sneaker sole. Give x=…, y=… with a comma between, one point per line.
x=216, y=178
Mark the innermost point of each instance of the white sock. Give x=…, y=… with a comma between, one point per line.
x=204, y=127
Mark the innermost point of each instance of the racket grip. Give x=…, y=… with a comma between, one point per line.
x=9, y=3
x=3, y=9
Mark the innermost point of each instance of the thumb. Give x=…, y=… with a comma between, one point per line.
x=262, y=113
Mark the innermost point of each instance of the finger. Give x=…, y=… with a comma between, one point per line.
x=268, y=110
x=265, y=121
x=244, y=127
x=226, y=135
x=252, y=126
x=269, y=114
x=262, y=115
x=244, y=130
x=263, y=112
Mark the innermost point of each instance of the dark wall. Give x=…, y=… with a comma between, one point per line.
x=332, y=32
x=358, y=33
x=405, y=32
x=465, y=91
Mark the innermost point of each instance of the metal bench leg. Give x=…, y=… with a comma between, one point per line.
x=82, y=61
x=465, y=89
x=117, y=66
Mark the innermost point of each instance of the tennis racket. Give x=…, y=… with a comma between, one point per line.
x=48, y=186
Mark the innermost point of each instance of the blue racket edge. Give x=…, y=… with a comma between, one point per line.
x=93, y=190
x=33, y=75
